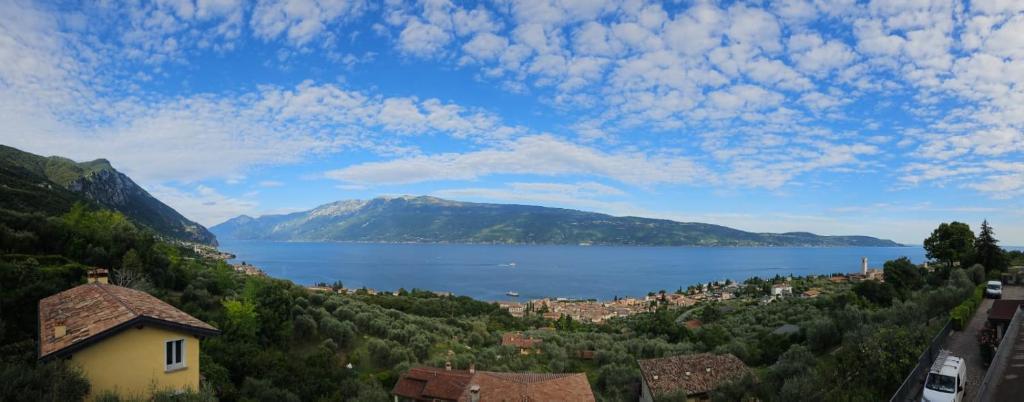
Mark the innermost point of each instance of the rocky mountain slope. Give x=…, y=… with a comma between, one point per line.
x=435, y=220
x=30, y=182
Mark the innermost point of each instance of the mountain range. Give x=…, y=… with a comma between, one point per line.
x=425, y=219
x=33, y=183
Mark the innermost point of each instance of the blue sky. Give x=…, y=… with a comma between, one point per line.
x=837, y=117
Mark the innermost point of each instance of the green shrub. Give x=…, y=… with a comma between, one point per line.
x=962, y=313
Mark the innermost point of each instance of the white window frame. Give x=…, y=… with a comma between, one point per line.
x=179, y=363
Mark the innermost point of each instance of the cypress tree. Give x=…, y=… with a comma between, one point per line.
x=987, y=249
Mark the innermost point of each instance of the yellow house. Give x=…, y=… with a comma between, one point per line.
x=124, y=340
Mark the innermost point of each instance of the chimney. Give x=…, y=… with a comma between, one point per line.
x=472, y=368
x=864, y=265
x=60, y=330
x=474, y=393
x=97, y=275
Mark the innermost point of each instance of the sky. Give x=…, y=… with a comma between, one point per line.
x=880, y=118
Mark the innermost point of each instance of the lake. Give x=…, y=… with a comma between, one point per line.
x=487, y=272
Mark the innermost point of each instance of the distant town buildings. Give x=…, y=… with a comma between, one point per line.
x=782, y=289
x=867, y=274
x=248, y=269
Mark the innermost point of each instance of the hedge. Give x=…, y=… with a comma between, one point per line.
x=962, y=313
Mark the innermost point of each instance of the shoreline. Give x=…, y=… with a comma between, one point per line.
x=709, y=246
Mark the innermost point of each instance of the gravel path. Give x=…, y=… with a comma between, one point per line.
x=965, y=343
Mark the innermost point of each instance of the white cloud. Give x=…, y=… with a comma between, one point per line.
x=271, y=183
x=535, y=155
x=299, y=21
x=422, y=39
x=588, y=196
x=203, y=204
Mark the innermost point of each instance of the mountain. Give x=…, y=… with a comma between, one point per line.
x=434, y=220
x=30, y=182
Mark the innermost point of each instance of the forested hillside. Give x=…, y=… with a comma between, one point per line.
x=435, y=220
x=53, y=184
x=283, y=342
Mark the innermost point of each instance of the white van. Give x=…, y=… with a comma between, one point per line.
x=945, y=382
x=994, y=289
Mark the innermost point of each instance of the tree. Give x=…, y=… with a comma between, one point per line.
x=903, y=275
x=242, y=319
x=950, y=243
x=880, y=294
x=987, y=251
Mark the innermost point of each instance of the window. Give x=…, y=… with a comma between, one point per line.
x=174, y=354
x=941, y=383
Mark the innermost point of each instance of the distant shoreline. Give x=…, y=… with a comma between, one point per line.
x=899, y=245
x=481, y=271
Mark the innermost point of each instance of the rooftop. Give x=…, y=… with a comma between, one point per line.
x=1004, y=309
x=517, y=339
x=1003, y=379
x=93, y=311
x=428, y=383
x=695, y=374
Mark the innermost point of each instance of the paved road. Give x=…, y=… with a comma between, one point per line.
x=965, y=343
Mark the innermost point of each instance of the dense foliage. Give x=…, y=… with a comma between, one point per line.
x=950, y=243
x=282, y=342
x=31, y=183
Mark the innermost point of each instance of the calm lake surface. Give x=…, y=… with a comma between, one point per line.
x=487, y=272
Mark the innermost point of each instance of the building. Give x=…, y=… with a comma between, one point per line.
x=514, y=308
x=781, y=289
x=1001, y=313
x=838, y=278
x=1002, y=379
x=445, y=384
x=867, y=274
x=811, y=293
x=694, y=376
x=124, y=341
x=525, y=344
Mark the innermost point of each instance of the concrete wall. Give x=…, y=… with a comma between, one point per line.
x=132, y=363
x=645, y=391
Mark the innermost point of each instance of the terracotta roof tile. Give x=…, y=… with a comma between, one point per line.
x=669, y=374
x=427, y=384
x=93, y=309
x=1004, y=309
x=518, y=340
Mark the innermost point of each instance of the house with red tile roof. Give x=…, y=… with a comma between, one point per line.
x=125, y=341
x=445, y=384
x=526, y=344
x=693, y=376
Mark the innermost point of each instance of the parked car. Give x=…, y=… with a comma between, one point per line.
x=994, y=289
x=945, y=382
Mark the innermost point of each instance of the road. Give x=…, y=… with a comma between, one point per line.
x=965, y=343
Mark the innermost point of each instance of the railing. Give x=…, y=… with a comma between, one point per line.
x=1001, y=359
x=913, y=383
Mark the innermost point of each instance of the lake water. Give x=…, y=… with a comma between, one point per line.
x=487, y=272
